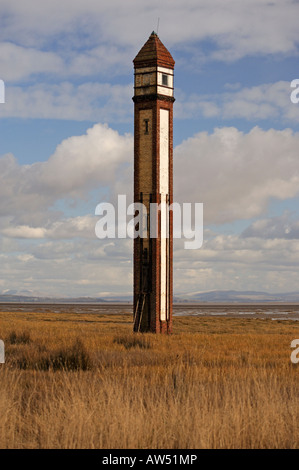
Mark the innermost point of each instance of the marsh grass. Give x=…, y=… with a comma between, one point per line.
x=83, y=382
x=133, y=341
x=74, y=357
x=18, y=338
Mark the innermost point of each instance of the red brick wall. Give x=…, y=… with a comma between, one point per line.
x=154, y=102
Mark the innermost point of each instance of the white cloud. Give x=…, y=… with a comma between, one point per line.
x=24, y=231
x=57, y=267
x=262, y=102
x=231, y=262
x=235, y=174
x=283, y=226
x=237, y=29
x=100, y=60
x=67, y=228
x=79, y=165
x=104, y=102
x=266, y=101
x=17, y=62
x=89, y=101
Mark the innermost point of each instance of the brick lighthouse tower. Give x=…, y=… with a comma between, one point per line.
x=153, y=183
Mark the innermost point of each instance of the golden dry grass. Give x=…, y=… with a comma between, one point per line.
x=85, y=381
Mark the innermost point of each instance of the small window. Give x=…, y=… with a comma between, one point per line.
x=146, y=121
x=164, y=79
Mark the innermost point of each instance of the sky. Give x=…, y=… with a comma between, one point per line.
x=67, y=141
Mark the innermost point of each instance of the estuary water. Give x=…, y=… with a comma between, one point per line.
x=274, y=311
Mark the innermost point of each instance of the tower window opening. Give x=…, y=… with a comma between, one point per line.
x=164, y=79
x=146, y=121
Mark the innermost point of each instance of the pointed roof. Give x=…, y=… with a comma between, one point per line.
x=153, y=53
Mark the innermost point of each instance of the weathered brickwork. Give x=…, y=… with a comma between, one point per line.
x=147, y=252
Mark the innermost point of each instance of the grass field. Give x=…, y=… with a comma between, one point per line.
x=86, y=381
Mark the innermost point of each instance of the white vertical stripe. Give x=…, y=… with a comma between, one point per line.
x=164, y=189
x=164, y=151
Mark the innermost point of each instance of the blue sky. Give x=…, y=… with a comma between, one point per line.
x=67, y=141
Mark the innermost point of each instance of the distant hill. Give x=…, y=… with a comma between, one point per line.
x=224, y=296
x=232, y=296
x=32, y=299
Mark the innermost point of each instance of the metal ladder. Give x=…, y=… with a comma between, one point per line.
x=141, y=298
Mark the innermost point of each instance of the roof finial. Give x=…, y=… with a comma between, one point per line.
x=158, y=26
